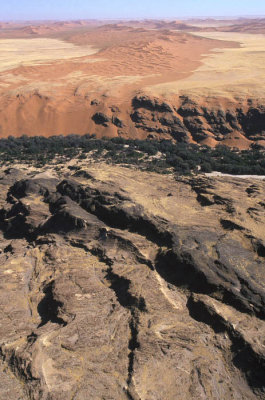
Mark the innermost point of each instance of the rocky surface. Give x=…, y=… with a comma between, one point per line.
x=210, y=122
x=121, y=284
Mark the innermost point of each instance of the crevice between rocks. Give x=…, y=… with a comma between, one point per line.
x=181, y=271
x=243, y=355
x=21, y=369
x=135, y=305
x=49, y=307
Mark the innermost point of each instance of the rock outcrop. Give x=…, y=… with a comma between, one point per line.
x=190, y=121
x=121, y=284
x=204, y=121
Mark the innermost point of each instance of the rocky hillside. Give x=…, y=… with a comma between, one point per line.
x=205, y=122
x=121, y=284
x=237, y=124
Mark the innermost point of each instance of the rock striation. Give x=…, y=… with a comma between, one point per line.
x=122, y=284
x=209, y=122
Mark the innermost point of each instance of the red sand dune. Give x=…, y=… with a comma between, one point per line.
x=54, y=97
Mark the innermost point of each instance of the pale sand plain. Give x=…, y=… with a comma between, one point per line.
x=123, y=58
x=25, y=52
x=228, y=72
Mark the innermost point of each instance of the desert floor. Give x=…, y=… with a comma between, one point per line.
x=50, y=74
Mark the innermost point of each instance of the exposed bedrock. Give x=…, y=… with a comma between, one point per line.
x=188, y=119
x=107, y=282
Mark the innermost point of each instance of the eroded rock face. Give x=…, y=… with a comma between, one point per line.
x=211, y=121
x=188, y=120
x=121, y=284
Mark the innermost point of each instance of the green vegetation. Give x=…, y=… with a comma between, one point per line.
x=160, y=156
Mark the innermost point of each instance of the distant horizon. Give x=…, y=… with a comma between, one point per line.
x=64, y=10
x=199, y=17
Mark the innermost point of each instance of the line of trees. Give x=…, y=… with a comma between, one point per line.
x=162, y=156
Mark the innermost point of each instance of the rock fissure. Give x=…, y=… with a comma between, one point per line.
x=244, y=357
x=135, y=305
x=49, y=307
